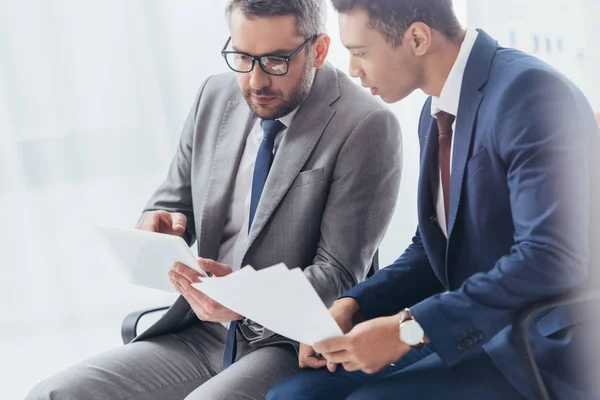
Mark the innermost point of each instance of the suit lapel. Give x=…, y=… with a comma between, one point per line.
x=431, y=235
x=297, y=145
x=465, y=123
x=429, y=171
x=227, y=155
x=475, y=77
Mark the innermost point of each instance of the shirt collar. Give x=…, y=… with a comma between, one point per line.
x=450, y=95
x=286, y=119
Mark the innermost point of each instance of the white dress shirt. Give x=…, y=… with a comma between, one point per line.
x=448, y=102
x=235, y=232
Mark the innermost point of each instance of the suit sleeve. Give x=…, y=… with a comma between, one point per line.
x=407, y=281
x=361, y=201
x=541, y=135
x=175, y=194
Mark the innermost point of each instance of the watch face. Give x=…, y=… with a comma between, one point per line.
x=411, y=333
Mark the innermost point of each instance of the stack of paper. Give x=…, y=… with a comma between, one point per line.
x=279, y=299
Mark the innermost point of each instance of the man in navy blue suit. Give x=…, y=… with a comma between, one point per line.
x=504, y=210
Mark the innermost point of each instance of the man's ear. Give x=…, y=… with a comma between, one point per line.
x=418, y=38
x=321, y=45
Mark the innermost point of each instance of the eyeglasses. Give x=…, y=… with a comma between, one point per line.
x=272, y=64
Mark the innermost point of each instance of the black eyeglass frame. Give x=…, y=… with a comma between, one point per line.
x=287, y=59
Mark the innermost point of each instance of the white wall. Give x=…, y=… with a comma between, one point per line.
x=574, y=22
x=591, y=69
x=92, y=100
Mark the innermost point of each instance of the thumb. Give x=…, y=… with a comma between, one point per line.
x=304, y=352
x=331, y=367
x=215, y=268
x=178, y=222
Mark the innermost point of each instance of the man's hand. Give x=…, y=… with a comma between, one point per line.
x=307, y=358
x=370, y=346
x=163, y=222
x=343, y=311
x=206, y=309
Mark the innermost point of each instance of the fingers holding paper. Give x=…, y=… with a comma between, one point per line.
x=186, y=272
x=342, y=312
x=206, y=309
x=213, y=267
x=369, y=346
x=308, y=358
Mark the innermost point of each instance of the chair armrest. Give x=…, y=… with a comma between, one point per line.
x=130, y=323
x=520, y=335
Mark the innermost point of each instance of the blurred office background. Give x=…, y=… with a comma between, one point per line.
x=92, y=99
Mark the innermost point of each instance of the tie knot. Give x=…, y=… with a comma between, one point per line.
x=445, y=121
x=271, y=127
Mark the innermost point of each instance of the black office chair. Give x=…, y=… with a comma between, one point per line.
x=523, y=318
x=130, y=323
x=520, y=335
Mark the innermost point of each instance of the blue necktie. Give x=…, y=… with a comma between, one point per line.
x=264, y=159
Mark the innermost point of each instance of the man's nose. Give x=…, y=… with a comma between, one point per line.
x=258, y=78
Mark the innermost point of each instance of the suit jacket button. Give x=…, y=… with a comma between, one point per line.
x=469, y=342
x=479, y=336
x=461, y=346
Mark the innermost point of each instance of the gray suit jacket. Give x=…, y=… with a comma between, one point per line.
x=328, y=199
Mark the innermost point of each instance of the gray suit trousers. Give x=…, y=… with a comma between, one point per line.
x=183, y=365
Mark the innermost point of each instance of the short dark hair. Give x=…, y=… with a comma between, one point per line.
x=311, y=15
x=392, y=18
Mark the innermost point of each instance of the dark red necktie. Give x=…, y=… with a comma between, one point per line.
x=445, y=121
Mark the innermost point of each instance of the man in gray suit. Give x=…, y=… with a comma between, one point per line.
x=301, y=167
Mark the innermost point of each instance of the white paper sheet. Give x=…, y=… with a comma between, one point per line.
x=146, y=258
x=281, y=300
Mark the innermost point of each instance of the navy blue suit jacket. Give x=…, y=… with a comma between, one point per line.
x=518, y=224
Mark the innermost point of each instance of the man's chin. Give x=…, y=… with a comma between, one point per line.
x=266, y=112
x=391, y=99
x=387, y=100
x=262, y=111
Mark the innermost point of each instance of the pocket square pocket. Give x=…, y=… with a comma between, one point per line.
x=307, y=177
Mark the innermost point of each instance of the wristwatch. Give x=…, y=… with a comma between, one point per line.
x=411, y=332
x=253, y=326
